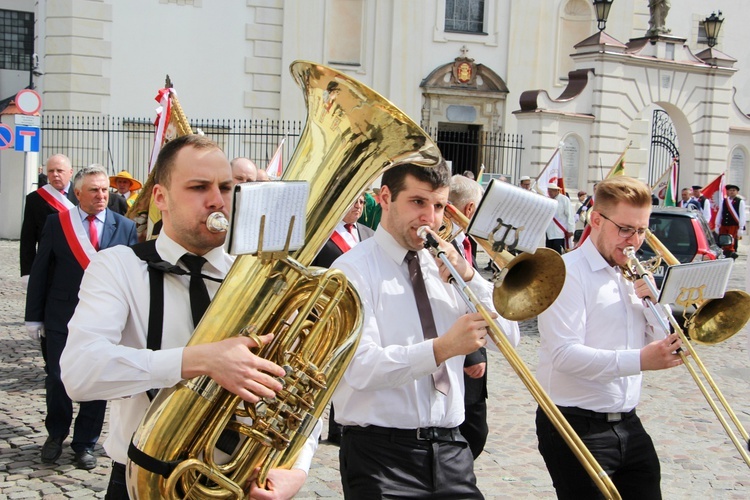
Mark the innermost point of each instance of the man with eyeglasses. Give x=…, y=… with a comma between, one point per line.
x=596, y=339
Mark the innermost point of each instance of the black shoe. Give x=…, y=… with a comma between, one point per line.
x=52, y=449
x=85, y=459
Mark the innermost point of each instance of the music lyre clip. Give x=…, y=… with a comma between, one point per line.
x=690, y=295
x=266, y=257
x=502, y=244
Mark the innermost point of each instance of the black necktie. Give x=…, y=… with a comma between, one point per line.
x=199, y=298
x=439, y=377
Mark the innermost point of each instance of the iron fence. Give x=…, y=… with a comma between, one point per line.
x=500, y=153
x=125, y=143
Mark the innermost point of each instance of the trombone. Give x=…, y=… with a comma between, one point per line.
x=530, y=283
x=709, y=324
x=584, y=456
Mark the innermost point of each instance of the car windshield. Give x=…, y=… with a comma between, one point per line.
x=676, y=233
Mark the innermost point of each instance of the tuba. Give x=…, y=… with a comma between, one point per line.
x=351, y=136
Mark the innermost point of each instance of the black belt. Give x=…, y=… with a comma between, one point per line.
x=420, y=434
x=607, y=417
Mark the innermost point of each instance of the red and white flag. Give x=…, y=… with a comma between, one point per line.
x=715, y=192
x=552, y=173
x=276, y=165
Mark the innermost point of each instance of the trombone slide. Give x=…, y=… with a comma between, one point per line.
x=640, y=271
x=584, y=456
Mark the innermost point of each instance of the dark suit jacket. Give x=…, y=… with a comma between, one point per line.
x=475, y=389
x=56, y=275
x=331, y=251
x=35, y=215
x=117, y=203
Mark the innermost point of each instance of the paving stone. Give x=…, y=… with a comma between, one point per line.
x=697, y=459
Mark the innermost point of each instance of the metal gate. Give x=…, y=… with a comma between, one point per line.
x=664, y=146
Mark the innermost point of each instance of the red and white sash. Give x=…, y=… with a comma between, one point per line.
x=55, y=198
x=728, y=203
x=340, y=242
x=76, y=236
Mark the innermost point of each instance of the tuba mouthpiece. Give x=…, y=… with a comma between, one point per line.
x=217, y=223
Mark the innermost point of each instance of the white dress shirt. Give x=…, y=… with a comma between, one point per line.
x=591, y=337
x=564, y=215
x=105, y=356
x=98, y=222
x=388, y=382
x=351, y=238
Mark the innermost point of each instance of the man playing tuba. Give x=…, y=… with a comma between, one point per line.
x=108, y=358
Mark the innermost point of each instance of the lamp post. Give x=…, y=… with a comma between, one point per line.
x=712, y=25
x=602, y=12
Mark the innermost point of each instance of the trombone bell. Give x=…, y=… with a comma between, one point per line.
x=718, y=319
x=530, y=283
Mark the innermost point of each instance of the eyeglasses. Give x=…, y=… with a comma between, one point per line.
x=626, y=232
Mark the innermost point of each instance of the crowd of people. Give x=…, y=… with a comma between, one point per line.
x=409, y=413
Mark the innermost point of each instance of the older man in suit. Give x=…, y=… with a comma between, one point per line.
x=55, y=196
x=465, y=194
x=68, y=241
x=346, y=235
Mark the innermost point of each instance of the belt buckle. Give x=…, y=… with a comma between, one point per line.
x=421, y=436
x=614, y=417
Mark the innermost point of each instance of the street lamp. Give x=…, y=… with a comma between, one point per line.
x=712, y=25
x=602, y=12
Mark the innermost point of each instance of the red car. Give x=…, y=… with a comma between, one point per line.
x=686, y=235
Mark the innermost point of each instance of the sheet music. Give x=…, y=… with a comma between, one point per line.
x=516, y=207
x=706, y=279
x=278, y=201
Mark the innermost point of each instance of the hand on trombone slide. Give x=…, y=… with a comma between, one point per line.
x=642, y=288
x=661, y=354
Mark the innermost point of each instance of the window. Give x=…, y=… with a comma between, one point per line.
x=17, y=40
x=464, y=15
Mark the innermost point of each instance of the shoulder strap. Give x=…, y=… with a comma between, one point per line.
x=146, y=251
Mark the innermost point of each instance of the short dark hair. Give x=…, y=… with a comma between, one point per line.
x=436, y=176
x=165, y=161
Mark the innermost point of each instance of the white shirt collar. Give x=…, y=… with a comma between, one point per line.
x=171, y=251
x=101, y=216
x=390, y=246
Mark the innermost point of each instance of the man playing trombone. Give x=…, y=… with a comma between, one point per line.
x=596, y=339
x=402, y=397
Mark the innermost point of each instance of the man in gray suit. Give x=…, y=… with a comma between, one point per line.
x=68, y=241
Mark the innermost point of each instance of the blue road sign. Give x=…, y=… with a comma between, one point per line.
x=27, y=139
x=6, y=136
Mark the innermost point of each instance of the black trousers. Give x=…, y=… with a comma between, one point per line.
x=376, y=463
x=117, y=488
x=558, y=245
x=474, y=427
x=90, y=417
x=623, y=449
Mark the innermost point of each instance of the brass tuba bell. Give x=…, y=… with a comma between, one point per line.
x=351, y=136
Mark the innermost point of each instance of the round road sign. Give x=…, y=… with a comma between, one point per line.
x=28, y=101
x=6, y=136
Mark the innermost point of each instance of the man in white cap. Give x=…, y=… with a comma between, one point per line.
x=525, y=182
x=561, y=228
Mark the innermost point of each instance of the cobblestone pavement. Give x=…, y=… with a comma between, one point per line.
x=697, y=458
